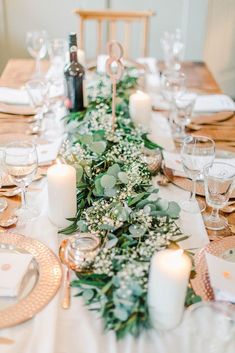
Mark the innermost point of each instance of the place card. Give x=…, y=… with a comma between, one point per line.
x=222, y=277
x=13, y=267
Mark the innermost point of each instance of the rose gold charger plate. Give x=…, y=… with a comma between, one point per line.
x=201, y=283
x=42, y=280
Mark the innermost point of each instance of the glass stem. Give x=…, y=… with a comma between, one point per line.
x=38, y=66
x=192, y=197
x=214, y=215
x=23, y=196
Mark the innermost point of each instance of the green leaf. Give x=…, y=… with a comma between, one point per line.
x=82, y=226
x=162, y=205
x=108, y=181
x=123, y=177
x=173, y=210
x=120, y=313
x=86, y=139
x=137, y=231
x=110, y=192
x=113, y=170
x=98, y=147
x=79, y=173
x=88, y=294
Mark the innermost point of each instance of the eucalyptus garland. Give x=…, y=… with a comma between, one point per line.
x=116, y=200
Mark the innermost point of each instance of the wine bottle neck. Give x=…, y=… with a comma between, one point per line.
x=73, y=54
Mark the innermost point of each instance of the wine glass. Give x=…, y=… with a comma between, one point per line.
x=219, y=184
x=3, y=201
x=184, y=104
x=196, y=153
x=172, y=85
x=210, y=327
x=37, y=90
x=36, y=42
x=21, y=163
x=173, y=49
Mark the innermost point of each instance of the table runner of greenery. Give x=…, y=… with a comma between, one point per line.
x=117, y=201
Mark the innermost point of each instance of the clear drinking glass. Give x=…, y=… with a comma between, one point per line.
x=210, y=327
x=36, y=42
x=184, y=104
x=173, y=49
x=219, y=184
x=3, y=201
x=173, y=84
x=37, y=91
x=58, y=49
x=21, y=163
x=196, y=153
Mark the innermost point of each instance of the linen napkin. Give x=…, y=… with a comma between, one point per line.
x=14, y=96
x=13, y=267
x=214, y=103
x=222, y=277
x=173, y=161
x=48, y=152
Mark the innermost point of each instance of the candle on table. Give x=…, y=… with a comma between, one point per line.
x=168, y=281
x=140, y=108
x=61, y=194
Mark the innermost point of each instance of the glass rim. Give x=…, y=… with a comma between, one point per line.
x=191, y=137
x=30, y=145
x=207, y=167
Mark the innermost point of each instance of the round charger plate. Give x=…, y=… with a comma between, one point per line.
x=224, y=248
x=39, y=285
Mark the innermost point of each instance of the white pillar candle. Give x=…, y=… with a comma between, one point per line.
x=140, y=108
x=61, y=194
x=168, y=281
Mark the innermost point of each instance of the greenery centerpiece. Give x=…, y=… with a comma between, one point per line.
x=117, y=201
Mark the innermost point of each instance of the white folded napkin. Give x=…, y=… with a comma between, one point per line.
x=222, y=277
x=14, y=96
x=214, y=103
x=173, y=161
x=48, y=152
x=13, y=267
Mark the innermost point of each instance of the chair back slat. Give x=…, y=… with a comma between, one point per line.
x=112, y=18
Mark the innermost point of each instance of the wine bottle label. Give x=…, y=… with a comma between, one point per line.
x=73, y=48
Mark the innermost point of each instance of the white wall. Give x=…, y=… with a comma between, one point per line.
x=199, y=27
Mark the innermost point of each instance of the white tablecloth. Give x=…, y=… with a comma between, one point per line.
x=78, y=330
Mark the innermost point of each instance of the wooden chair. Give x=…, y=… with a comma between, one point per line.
x=112, y=17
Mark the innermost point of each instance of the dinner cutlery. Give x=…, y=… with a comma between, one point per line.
x=67, y=291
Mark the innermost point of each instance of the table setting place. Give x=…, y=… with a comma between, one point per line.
x=117, y=203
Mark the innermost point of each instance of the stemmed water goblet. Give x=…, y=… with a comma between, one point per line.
x=173, y=84
x=21, y=163
x=219, y=181
x=37, y=90
x=173, y=49
x=36, y=42
x=196, y=153
x=184, y=104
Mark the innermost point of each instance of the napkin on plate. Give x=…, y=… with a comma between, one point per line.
x=14, y=96
x=173, y=161
x=13, y=268
x=214, y=103
x=222, y=277
x=48, y=152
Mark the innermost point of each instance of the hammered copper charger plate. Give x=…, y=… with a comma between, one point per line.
x=45, y=280
x=221, y=248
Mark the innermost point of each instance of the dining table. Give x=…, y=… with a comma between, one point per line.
x=77, y=329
